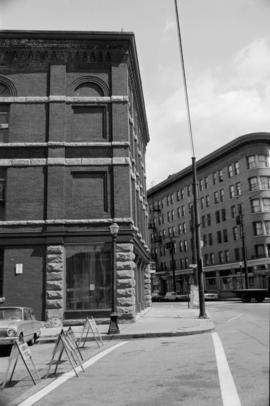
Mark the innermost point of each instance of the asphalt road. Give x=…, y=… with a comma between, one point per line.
x=178, y=370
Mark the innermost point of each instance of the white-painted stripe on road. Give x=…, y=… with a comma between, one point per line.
x=234, y=318
x=228, y=389
x=59, y=381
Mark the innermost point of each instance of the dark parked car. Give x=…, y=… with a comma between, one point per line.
x=157, y=297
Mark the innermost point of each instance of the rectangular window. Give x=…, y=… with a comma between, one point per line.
x=212, y=258
x=235, y=233
x=216, y=197
x=209, y=219
x=251, y=162
x=233, y=211
x=230, y=171
x=202, y=203
x=219, y=237
x=220, y=175
x=88, y=123
x=207, y=200
x=253, y=183
x=221, y=195
x=237, y=254
x=201, y=183
x=223, y=214
x=217, y=217
x=238, y=189
x=221, y=257
x=2, y=192
x=263, y=161
x=182, y=193
x=189, y=190
x=183, y=210
x=265, y=182
x=210, y=239
x=266, y=204
x=225, y=236
x=231, y=191
x=260, y=251
x=258, y=228
x=178, y=195
x=227, y=256
x=236, y=168
x=88, y=277
x=203, y=221
x=206, y=182
x=4, y=123
x=178, y=212
x=267, y=227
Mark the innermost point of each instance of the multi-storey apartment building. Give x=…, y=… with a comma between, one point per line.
x=234, y=207
x=73, y=136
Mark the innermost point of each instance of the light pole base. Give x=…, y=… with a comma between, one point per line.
x=113, y=327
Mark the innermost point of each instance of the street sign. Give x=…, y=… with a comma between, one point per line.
x=20, y=351
x=65, y=344
x=90, y=326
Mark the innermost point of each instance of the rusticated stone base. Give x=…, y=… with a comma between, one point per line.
x=54, y=283
x=125, y=282
x=147, y=287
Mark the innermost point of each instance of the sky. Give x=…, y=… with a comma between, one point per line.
x=226, y=45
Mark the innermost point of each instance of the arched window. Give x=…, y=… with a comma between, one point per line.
x=88, y=90
x=89, y=86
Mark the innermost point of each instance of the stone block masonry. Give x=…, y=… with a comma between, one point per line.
x=125, y=281
x=55, y=261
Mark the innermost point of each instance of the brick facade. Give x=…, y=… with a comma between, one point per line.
x=72, y=162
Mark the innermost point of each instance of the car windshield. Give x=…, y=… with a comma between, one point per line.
x=10, y=314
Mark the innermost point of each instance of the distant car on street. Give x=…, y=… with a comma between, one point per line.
x=18, y=323
x=211, y=296
x=175, y=297
x=157, y=297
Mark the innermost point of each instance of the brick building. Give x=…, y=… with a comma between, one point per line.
x=73, y=136
x=234, y=205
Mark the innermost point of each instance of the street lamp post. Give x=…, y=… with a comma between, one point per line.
x=240, y=223
x=170, y=246
x=113, y=327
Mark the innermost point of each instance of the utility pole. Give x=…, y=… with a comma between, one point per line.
x=194, y=173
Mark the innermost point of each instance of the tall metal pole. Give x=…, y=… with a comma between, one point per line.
x=194, y=172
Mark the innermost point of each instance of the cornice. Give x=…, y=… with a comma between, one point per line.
x=251, y=138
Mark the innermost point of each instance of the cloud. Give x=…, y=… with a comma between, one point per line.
x=226, y=102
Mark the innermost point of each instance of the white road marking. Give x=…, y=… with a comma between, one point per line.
x=228, y=389
x=59, y=381
x=234, y=318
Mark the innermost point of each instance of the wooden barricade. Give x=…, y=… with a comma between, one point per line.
x=20, y=351
x=90, y=327
x=65, y=343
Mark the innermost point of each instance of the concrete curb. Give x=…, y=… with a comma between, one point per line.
x=123, y=336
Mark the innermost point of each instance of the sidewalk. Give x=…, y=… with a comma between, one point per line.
x=160, y=320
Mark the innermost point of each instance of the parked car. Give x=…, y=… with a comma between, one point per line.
x=18, y=323
x=157, y=297
x=175, y=296
x=211, y=296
